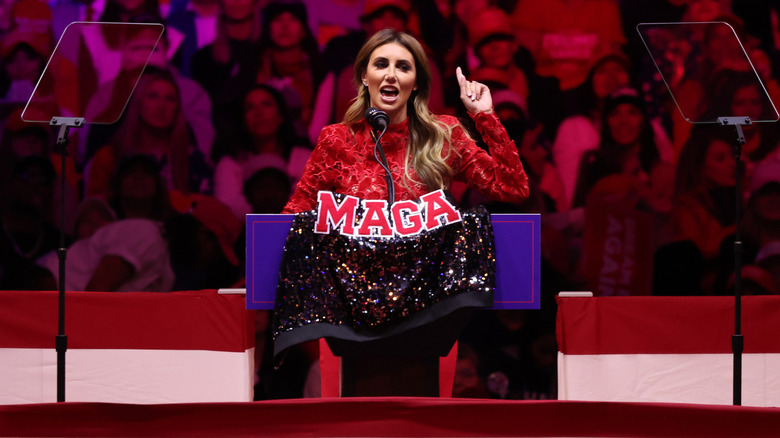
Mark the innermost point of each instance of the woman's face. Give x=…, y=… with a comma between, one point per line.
x=747, y=102
x=609, y=77
x=286, y=30
x=625, y=123
x=160, y=104
x=496, y=53
x=261, y=114
x=719, y=165
x=533, y=153
x=391, y=76
x=24, y=65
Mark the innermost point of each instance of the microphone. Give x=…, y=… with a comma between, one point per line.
x=378, y=119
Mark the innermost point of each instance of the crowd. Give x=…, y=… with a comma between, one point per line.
x=634, y=199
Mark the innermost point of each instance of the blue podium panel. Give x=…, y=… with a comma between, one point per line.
x=517, y=241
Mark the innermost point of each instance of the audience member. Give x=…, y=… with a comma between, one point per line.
x=703, y=210
x=289, y=54
x=139, y=190
x=153, y=125
x=761, y=222
x=740, y=94
x=22, y=139
x=266, y=138
x=468, y=382
x=268, y=190
x=627, y=146
x=580, y=132
x=26, y=232
x=492, y=41
x=23, y=61
x=195, y=27
x=107, y=261
x=225, y=67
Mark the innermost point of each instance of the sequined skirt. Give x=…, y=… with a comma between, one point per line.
x=368, y=288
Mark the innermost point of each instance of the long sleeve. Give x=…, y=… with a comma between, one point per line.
x=499, y=175
x=343, y=162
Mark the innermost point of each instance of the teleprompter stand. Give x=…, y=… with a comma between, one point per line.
x=682, y=52
x=61, y=340
x=136, y=43
x=737, y=341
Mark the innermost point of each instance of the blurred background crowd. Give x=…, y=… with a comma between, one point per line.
x=634, y=199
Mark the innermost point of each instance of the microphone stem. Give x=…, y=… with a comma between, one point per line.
x=383, y=162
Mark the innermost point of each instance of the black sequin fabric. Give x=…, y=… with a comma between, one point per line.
x=362, y=288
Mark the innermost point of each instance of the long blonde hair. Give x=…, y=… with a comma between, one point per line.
x=427, y=135
x=127, y=140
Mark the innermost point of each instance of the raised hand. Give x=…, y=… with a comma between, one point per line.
x=474, y=95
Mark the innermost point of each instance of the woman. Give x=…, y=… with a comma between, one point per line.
x=627, y=146
x=153, y=125
x=703, y=211
x=265, y=139
x=289, y=53
x=425, y=152
x=580, y=132
x=139, y=190
x=225, y=68
x=739, y=93
x=408, y=288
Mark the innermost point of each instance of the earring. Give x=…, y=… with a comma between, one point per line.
x=365, y=84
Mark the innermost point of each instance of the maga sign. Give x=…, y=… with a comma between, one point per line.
x=405, y=218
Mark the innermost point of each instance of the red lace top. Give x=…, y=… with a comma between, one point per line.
x=344, y=163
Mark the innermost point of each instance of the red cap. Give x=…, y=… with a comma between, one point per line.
x=489, y=22
x=32, y=16
x=372, y=6
x=38, y=42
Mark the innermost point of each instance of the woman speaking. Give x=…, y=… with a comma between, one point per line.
x=389, y=282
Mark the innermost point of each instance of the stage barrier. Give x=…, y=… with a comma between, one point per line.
x=136, y=347
x=667, y=349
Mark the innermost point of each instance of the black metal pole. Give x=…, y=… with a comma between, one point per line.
x=737, y=340
x=61, y=340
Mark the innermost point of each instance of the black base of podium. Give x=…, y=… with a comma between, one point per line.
x=406, y=364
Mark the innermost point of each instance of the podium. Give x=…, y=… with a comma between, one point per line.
x=517, y=246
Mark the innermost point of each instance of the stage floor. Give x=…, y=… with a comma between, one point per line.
x=397, y=417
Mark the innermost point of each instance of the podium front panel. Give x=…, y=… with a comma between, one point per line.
x=517, y=242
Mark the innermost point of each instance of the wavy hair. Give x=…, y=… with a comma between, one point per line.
x=427, y=135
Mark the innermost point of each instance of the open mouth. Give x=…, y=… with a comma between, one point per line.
x=388, y=94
